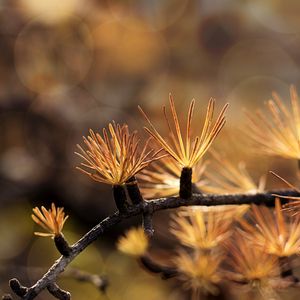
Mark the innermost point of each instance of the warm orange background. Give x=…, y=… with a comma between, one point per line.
x=67, y=66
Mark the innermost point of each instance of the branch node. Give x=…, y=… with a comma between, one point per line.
x=57, y=292
x=101, y=283
x=17, y=288
x=134, y=191
x=120, y=198
x=148, y=224
x=62, y=245
x=196, y=189
x=104, y=285
x=185, y=191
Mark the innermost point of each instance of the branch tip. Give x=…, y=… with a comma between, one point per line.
x=62, y=245
x=104, y=285
x=120, y=198
x=133, y=190
x=99, y=281
x=17, y=288
x=148, y=224
x=185, y=191
x=57, y=292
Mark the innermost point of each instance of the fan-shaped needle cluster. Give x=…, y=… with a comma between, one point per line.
x=51, y=220
x=134, y=243
x=224, y=177
x=187, y=151
x=115, y=159
x=273, y=232
x=249, y=263
x=162, y=179
x=199, y=229
x=200, y=273
x=278, y=133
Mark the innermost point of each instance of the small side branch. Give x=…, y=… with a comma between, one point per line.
x=57, y=292
x=148, y=224
x=59, y=266
x=17, y=288
x=145, y=208
x=185, y=190
x=153, y=267
x=134, y=191
x=62, y=245
x=120, y=198
x=100, y=282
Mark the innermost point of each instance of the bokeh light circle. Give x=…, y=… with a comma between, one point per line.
x=50, y=57
x=279, y=16
x=122, y=51
x=17, y=162
x=255, y=57
x=156, y=14
x=49, y=11
x=15, y=229
x=251, y=94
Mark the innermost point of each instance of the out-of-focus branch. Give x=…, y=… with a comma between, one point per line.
x=100, y=282
x=57, y=292
x=154, y=267
x=148, y=224
x=144, y=208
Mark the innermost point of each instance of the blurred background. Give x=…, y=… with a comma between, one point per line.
x=67, y=66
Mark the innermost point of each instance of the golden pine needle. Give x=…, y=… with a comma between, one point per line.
x=200, y=230
x=249, y=263
x=134, y=243
x=293, y=206
x=115, y=159
x=273, y=232
x=199, y=273
x=279, y=133
x=187, y=151
x=51, y=220
x=285, y=181
x=162, y=179
x=227, y=178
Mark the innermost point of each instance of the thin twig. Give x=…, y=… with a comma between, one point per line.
x=147, y=207
x=98, y=281
x=17, y=288
x=148, y=224
x=154, y=267
x=57, y=292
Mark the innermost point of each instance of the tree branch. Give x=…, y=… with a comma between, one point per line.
x=147, y=207
x=57, y=292
x=148, y=224
x=153, y=267
x=100, y=282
